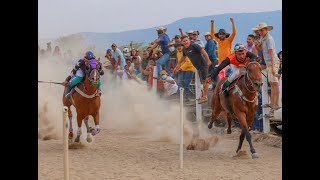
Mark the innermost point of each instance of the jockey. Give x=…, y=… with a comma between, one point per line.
x=237, y=61
x=77, y=74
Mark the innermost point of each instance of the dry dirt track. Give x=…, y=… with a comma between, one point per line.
x=120, y=155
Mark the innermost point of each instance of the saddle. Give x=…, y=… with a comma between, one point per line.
x=232, y=85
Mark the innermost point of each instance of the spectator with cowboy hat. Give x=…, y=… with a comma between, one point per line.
x=272, y=62
x=189, y=33
x=224, y=40
x=162, y=40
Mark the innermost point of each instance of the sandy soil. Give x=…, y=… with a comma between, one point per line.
x=120, y=155
x=140, y=138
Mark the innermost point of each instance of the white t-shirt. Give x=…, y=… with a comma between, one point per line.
x=171, y=88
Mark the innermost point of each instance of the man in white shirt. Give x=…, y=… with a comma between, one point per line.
x=170, y=86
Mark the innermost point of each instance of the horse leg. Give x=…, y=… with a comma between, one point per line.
x=89, y=136
x=242, y=118
x=229, y=118
x=248, y=137
x=70, y=125
x=216, y=111
x=240, y=141
x=250, y=119
x=96, y=123
x=79, y=132
x=216, y=108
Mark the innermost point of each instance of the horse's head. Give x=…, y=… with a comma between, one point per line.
x=254, y=75
x=92, y=73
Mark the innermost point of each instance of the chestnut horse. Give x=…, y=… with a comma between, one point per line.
x=86, y=101
x=243, y=102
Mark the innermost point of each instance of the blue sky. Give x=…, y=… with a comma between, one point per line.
x=63, y=17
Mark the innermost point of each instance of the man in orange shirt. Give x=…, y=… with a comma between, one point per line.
x=224, y=43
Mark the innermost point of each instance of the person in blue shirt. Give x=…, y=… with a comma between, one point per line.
x=162, y=41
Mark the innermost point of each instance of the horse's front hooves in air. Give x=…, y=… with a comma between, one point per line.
x=254, y=155
x=210, y=124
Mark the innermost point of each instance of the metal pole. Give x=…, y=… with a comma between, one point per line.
x=154, y=83
x=181, y=127
x=265, y=100
x=65, y=143
x=198, y=94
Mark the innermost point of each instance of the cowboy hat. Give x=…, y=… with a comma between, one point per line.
x=207, y=34
x=222, y=31
x=264, y=25
x=254, y=29
x=189, y=32
x=161, y=28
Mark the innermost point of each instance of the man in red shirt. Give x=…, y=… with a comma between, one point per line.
x=237, y=60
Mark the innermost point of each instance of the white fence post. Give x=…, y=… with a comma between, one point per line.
x=265, y=100
x=154, y=82
x=65, y=143
x=181, y=127
x=198, y=93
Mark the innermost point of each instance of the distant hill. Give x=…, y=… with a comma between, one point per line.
x=244, y=23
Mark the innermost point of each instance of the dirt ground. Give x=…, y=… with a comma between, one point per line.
x=116, y=154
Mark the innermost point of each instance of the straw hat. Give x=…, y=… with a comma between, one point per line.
x=189, y=32
x=264, y=25
x=161, y=28
x=207, y=34
x=254, y=29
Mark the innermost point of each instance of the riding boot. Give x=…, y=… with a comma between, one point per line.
x=226, y=84
x=68, y=89
x=99, y=92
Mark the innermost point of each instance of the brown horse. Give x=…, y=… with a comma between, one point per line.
x=86, y=101
x=243, y=102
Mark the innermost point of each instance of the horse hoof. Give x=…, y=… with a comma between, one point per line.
x=70, y=140
x=254, y=155
x=70, y=135
x=77, y=139
x=229, y=131
x=89, y=138
x=210, y=124
x=93, y=132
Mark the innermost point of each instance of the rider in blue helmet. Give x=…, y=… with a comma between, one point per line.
x=78, y=73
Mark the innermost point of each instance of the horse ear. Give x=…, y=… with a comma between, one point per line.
x=86, y=60
x=98, y=59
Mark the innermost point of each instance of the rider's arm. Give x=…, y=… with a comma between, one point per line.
x=216, y=71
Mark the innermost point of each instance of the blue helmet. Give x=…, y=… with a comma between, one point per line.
x=239, y=47
x=89, y=55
